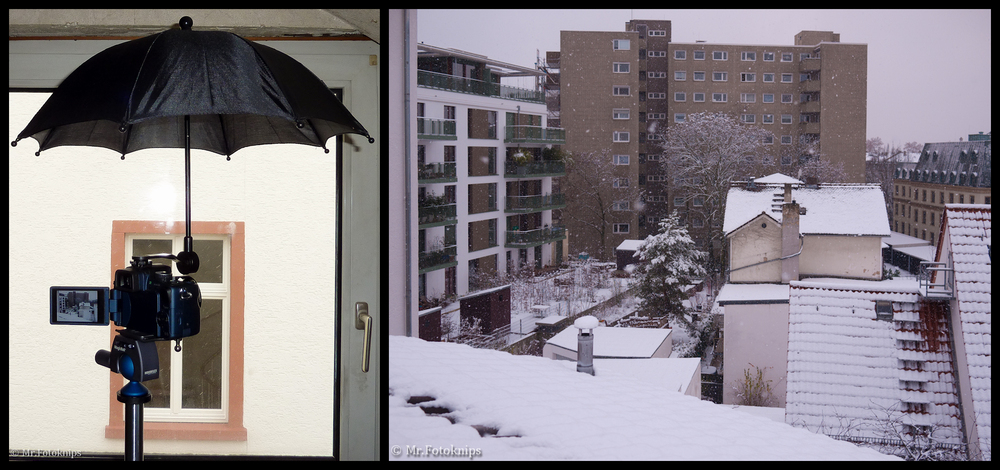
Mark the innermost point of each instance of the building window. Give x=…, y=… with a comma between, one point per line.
x=657, y=96
x=768, y=139
x=656, y=74
x=680, y=75
x=720, y=55
x=768, y=57
x=749, y=118
x=748, y=77
x=768, y=97
x=620, y=44
x=786, y=140
x=768, y=77
x=620, y=113
x=620, y=183
x=748, y=97
x=657, y=32
x=883, y=310
x=786, y=77
x=620, y=136
x=200, y=390
x=699, y=76
x=786, y=118
x=786, y=56
x=786, y=97
x=699, y=55
x=679, y=55
x=620, y=67
x=748, y=56
x=620, y=228
x=620, y=91
x=619, y=206
x=720, y=76
x=719, y=97
x=620, y=159
x=679, y=117
x=699, y=97
x=680, y=96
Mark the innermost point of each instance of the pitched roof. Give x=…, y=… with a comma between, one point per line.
x=616, y=342
x=967, y=235
x=833, y=209
x=548, y=411
x=956, y=163
x=847, y=366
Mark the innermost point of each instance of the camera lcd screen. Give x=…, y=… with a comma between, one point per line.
x=78, y=305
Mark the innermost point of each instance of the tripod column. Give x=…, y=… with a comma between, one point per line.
x=134, y=395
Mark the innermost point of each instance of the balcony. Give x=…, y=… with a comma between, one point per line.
x=534, y=169
x=436, y=129
x=445, y=257
x=937, y=281
x=542, y=202
x=435, y=215
x=534, y=135
x=809, y=65
x=431, y=173
x=535, y=237
x=471, y=86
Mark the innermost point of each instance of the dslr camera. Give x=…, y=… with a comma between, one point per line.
x=146, y=300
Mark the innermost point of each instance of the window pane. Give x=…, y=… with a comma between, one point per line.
x=203, y=360
x=160, y=388
x=210, y=256
x=146, y=246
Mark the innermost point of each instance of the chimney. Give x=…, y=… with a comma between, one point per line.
x=788, y=193
x=585, y=344
x=790, y=243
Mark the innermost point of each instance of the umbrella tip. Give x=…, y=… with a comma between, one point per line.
x=186, y=23
x=13, y=143
x=371, y=140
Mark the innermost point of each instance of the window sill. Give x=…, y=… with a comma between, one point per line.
x=183, y=431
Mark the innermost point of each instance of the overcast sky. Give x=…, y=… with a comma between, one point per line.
x=929, y=71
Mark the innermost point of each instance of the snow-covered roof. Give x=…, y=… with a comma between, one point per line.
x=847, y=366
x=548, y=411
x=777, y=178
x=616, y=342
x=753, y=294
x=630, y=245
x=835, y=209
x=967, y=235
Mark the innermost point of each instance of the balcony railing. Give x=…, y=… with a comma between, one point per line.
x=438, y=259
x=538, y=236
x=436, y=129
x=533, y=169
x=442, y=81
x=534, y=135
x=536, y=203
x=431, y=216
x=937, y=280
x=437, y=173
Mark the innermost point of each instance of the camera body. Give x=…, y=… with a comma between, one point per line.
x=147, y=299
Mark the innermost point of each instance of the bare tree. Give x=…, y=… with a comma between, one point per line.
x=598, y=193
x=880, y=167
x=703, y=155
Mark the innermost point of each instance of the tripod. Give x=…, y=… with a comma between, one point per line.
x=134, y=356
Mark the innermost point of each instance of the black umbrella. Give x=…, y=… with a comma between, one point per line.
x=208, y=90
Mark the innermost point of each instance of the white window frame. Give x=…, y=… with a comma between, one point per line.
x=680, y=54
x=748, y=97
x=786, y=118
x=749, y=118
x=621, y=114
x=768, y=54
x=698, y=95
x=680, y=117
x=680, y=75
x=209, y=290
x=720, y=76
x=620, y=136
x=620, y=44
x=619, y=228
x=655, y=116
x=620, y=159
x=786, y=98
x=767, y=119
x=786, y=56
x=786, y=140
x=617, y=90
x=656, y=53
x=767, y=77
x=620, y=67
x=786, y=78
x=656, y=74
x=680, y=96
x=697, y=74
x=720, y=55
x=720, y=97
x=695, y=54
x=748, y=56
x=768, y=98
x=654, y=95
x=620, y=206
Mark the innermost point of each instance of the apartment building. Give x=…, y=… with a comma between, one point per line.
x=946, y=173
x=621, y=90
x=487, y=179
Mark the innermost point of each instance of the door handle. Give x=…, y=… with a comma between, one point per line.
x=363, y=321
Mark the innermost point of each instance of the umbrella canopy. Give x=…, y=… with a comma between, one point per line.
x=237, y=93
x=208, y=90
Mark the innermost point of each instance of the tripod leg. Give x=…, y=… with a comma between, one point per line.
x=134, y=395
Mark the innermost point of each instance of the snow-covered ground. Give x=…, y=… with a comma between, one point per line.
x=536, y=408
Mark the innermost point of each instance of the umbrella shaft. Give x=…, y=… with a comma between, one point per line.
x=187, y=182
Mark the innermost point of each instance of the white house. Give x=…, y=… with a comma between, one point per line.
x=780, y=231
